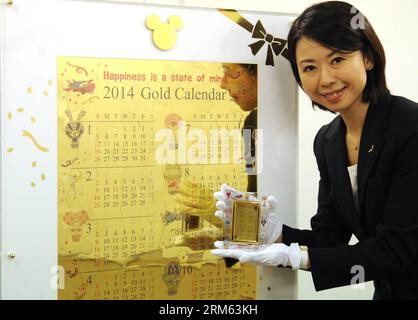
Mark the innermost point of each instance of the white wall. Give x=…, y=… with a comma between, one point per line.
x=396, y=24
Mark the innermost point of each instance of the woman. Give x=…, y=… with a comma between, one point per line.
x=240, y=80
x=367, y=158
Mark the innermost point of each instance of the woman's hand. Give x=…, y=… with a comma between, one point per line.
x=194, y=205
x=273, y=255
x=271, y=226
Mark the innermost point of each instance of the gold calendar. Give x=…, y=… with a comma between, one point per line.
x=138, y=166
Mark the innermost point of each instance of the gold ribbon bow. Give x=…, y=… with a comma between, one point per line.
x=273, y=44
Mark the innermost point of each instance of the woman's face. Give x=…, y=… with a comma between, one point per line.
x=241, y=85
x=333, y=79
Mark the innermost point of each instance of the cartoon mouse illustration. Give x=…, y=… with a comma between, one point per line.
x=164, y=34
x=74, y=129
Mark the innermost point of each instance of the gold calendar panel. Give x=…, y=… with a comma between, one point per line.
x=132, y=223
x=171, y=280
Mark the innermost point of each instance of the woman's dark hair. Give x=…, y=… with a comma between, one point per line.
x=334, y=24
x=252, y=68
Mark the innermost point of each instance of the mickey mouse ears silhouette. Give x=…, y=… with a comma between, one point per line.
x=164, y=34
x=153, y=22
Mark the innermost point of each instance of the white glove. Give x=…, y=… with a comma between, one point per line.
x=273, y=255
x=271, y=226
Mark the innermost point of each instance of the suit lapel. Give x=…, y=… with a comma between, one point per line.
x=336, y=156
x=371, y=143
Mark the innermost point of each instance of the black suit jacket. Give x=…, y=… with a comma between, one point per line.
x=387, y=222
x=250, y=123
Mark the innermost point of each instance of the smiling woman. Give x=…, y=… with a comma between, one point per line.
x=367, y=159
x=335, y=79
x=328, y=56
